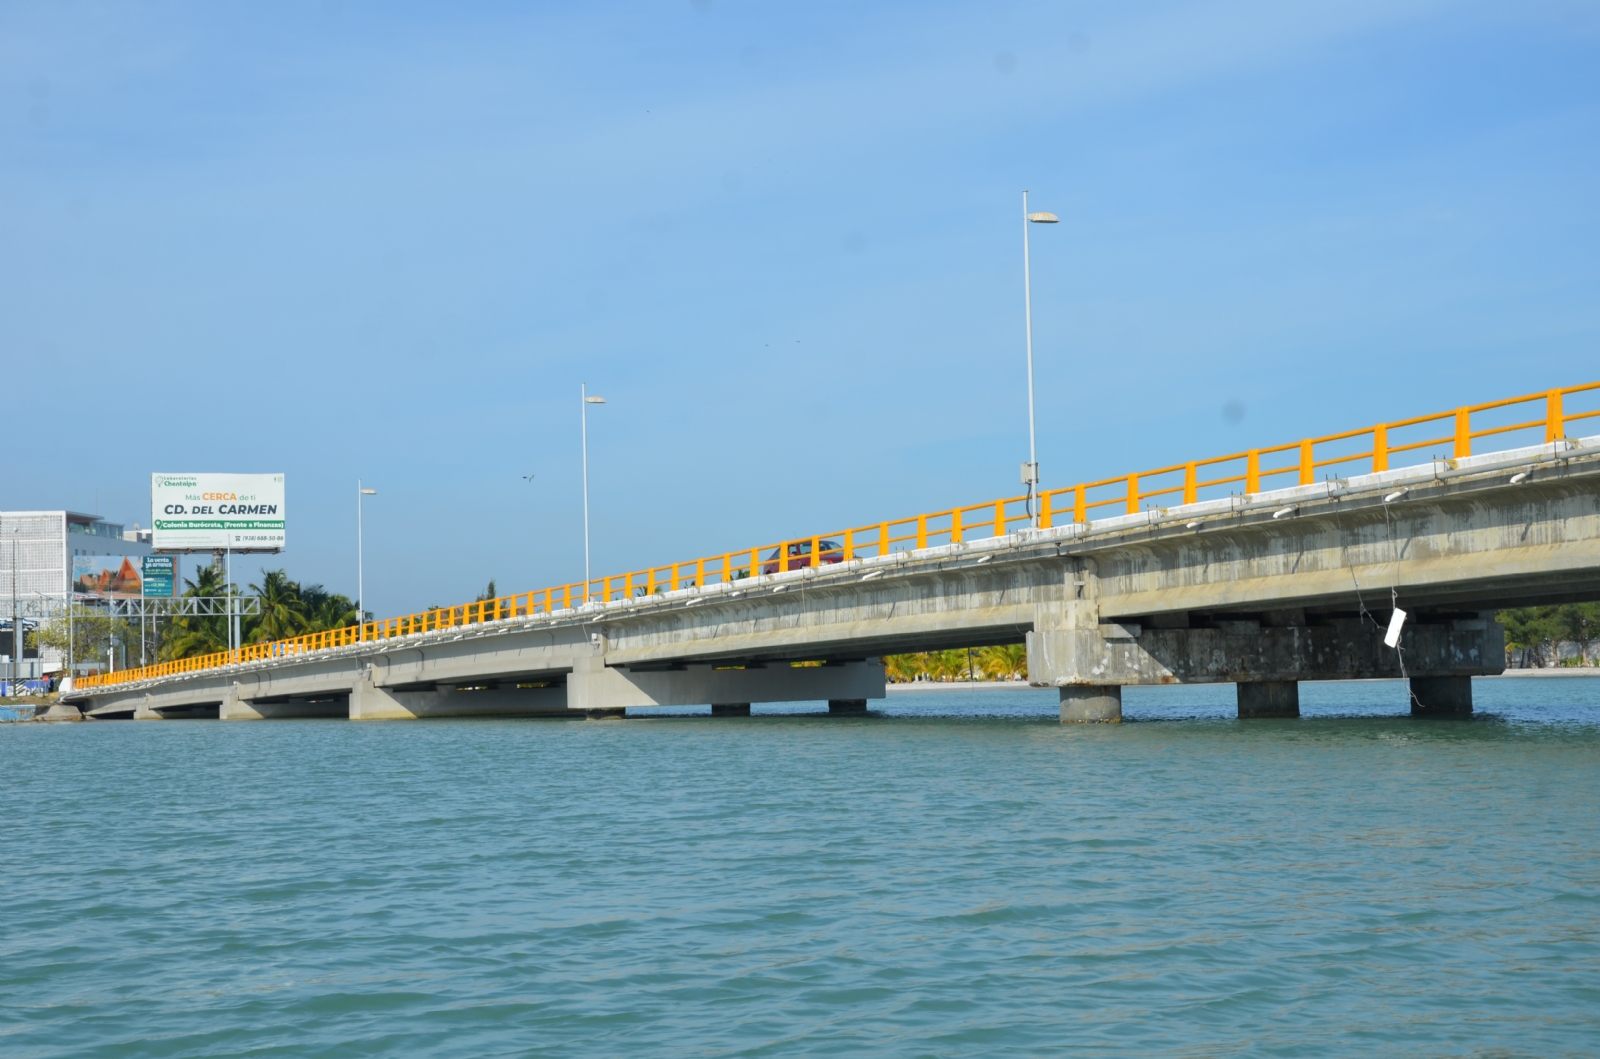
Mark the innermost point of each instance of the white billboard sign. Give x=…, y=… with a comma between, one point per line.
x=203, y=512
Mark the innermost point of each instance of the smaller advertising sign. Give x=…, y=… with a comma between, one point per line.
x=160, y=576
x=107, y=576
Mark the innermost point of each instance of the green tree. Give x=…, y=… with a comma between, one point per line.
x=283, y=613
x=1578, y=623
x=1006, y=662
x=88, y=634
x=903, y=669
x=192, y=635
x=325, y=611
x=1531, y=634
x=947, y=665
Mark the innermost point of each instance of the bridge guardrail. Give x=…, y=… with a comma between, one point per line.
x=1295, y=463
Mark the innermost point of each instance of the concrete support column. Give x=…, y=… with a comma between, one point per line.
x=1091, y=704
x=371, y=703
x=837, y=706
x=730, y=709
x=235, y=708
x=143, y=712
x=1441, y=696
x=1269, y=698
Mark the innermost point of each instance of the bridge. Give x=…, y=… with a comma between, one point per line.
x=1378, y=552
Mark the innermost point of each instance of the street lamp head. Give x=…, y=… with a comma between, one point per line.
x=594, y=400
x=1044, y=218
x=369, y=492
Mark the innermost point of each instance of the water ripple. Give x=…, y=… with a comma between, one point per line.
x=955, y=876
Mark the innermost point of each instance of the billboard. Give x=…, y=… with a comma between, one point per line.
x=160, y=576
x=125, y=576
x=107, y=576
x=207, y=512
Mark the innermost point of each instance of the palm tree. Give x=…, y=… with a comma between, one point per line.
x=326, y=610
x=946, y=665
x=1008, y=662
x=191, y=635
x=282, y=611
x=903, y=669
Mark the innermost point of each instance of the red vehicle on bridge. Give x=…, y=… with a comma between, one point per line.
x=798, y=554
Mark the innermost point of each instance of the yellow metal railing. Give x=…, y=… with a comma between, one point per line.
x=1252, y=471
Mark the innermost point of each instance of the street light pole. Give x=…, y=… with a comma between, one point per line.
x=361, y=585
x=227, y=567
x=1030, y=470
x=16, y=622
x=583, y=390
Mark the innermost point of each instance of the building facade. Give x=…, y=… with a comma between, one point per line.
x=37, y=549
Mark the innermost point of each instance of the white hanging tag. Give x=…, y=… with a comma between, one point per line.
x=1396, y=620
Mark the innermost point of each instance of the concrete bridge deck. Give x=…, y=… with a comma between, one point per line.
x=1262, y=590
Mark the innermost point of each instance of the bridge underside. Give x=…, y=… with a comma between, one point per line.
x=1262, y=591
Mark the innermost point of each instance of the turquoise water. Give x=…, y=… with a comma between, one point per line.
x=958, y=875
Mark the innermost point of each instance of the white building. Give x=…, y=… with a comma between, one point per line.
x=36, y=552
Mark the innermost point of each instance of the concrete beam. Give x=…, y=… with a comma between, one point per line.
x=372, y=702
x=593, y=685
x=1242, y=652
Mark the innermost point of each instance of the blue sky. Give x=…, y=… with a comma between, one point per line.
x=390, y=240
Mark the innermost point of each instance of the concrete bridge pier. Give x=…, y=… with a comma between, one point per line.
x=1441, y=696
x=368, y=702
x=1091, y=704
x=1074, y=647
x=1268, y=698
x=847, y=706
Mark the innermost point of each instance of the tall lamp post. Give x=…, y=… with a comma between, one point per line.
x=17, y=635
x=1030, y=470
x=361, y=595
x=583, y=390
